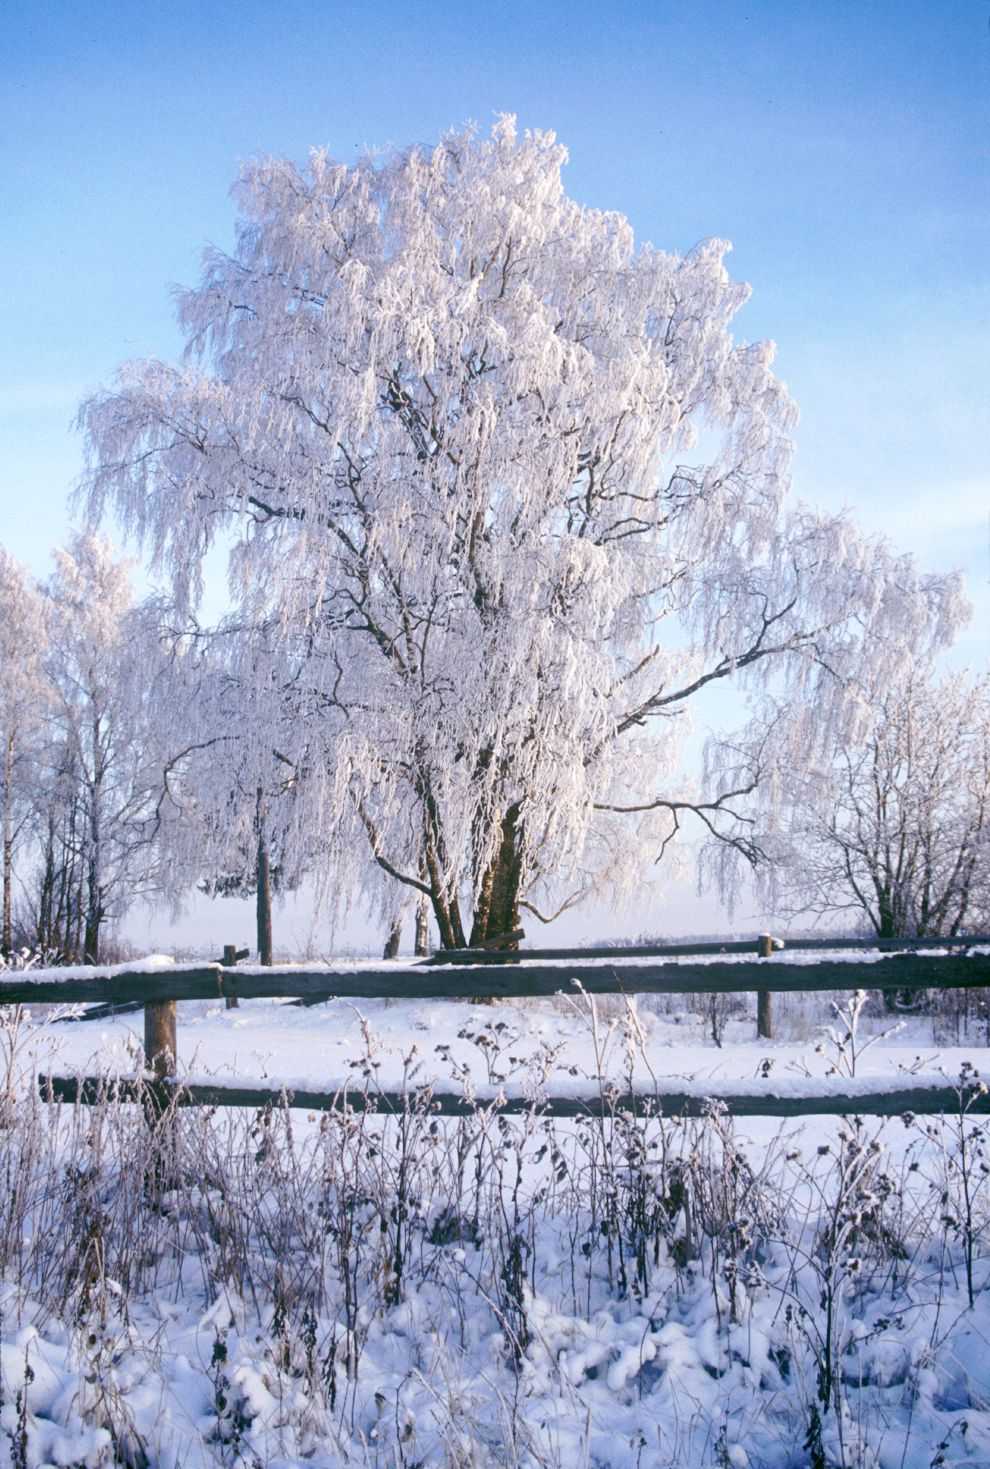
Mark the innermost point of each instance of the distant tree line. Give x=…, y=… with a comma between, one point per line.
x=139, y=763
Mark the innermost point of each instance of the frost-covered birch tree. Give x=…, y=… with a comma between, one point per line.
x=894, y=830
x=102, y=746
x=24, y=696
x=513, y=496
x=235, y=817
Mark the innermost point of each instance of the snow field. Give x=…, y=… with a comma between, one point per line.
x=276, y=1288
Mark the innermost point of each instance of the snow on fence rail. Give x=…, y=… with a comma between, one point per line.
x=723, y=968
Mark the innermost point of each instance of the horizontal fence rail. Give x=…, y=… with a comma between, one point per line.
x=921, y=1100
x=508, y=981
x=713, y=947
x=482, y=975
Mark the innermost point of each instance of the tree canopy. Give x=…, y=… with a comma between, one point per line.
x=894, y=829
x=509, y=495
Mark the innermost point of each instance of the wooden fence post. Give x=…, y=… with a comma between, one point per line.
x=764, y=999
x=229, y=960
x=159, y=1058
x=159, y=1038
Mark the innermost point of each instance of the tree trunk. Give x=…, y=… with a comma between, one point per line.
x=91, y=935
x=448, y=917
x=393, y=940
x=8, y=845
x=94, y=900
x=77, y=909
x=890, y=926
x=446, y=910
x=95, y=889
x=263, y=901
x=764, y=998
x=483, y=904
x=44, y=922
x=497, y=911
x=422, y=945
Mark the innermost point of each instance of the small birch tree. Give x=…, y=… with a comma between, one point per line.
x=105, y=754
x=894, y=831
x=235, y=818
x=24, y=696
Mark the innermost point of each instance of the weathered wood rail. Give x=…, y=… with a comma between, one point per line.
x=93, y=1090
x=715, y=947
x=483, y=975
x=600, y=973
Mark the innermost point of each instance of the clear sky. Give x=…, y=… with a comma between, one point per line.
x=842, y=147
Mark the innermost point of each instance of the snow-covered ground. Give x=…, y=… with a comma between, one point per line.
x=281, y=1288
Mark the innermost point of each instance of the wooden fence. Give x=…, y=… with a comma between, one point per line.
x=526, y=973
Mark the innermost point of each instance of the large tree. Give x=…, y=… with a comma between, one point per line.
x=513, y=497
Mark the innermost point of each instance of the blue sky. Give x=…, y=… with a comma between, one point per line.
x=841, y=147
